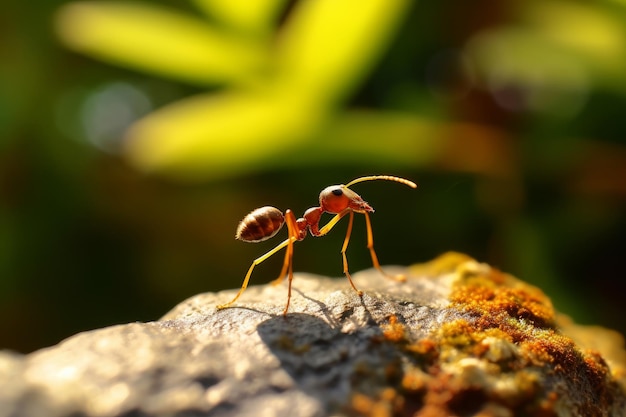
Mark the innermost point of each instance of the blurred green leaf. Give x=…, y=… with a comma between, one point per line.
x=328, y=46
x=596, y=35
x=255, y=17
x=322, y=53
x=553, y=57
x=549, y=77
x=381, y=138
x=159, y=41
x=220, y=134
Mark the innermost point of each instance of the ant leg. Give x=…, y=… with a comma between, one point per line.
x=370, y=246
x=343, y=254
x=283, y=271
x=327, y=227
x=292, y=228
x=332, y=222
x=290, y=279
x=257, y=261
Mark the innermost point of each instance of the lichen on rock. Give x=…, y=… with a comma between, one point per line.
x=511, y=353
x=458, y=338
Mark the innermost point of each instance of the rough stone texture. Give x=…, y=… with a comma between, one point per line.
x=458, y=338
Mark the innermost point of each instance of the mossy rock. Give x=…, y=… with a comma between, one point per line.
x=457, y=338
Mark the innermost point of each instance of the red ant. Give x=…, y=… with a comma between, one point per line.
x=263, y=223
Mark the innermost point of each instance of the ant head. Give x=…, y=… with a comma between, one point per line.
x=336, y=198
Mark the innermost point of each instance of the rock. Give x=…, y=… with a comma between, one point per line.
x=458, y=338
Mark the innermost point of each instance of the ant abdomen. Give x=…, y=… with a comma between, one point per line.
x=261, y=224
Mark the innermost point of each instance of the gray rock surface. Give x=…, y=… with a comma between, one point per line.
x=333, y=354
x=238, y=361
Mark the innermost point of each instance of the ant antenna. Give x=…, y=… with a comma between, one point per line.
x=383, y=177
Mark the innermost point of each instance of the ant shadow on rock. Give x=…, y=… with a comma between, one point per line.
x=325, y=361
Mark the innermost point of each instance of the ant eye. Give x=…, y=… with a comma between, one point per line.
x=337, y=191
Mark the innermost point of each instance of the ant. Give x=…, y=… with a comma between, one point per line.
x=263, y=223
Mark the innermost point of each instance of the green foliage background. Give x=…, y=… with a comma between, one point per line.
x=135, y=135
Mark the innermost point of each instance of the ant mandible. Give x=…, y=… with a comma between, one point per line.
x=263, y=223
